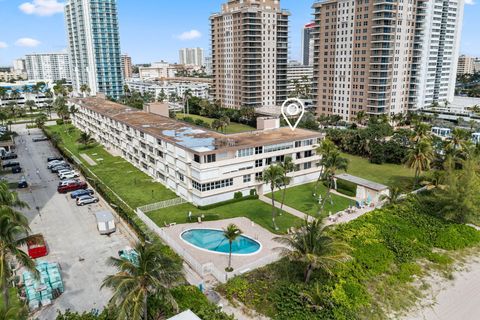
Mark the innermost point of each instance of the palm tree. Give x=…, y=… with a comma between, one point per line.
x=225, y=123
x=216, y=124
x=331, y=164
x=287, y=166
x=134, y=284
x=361, y=116
x=13, y=228
x=311, y=245
x=272, y=176
x=186, y=98
x=85, y=139
x=420, y=157
x=324, y=150
x=84, y=88
x=422, y=132
x=231, y=233
x=393, y=197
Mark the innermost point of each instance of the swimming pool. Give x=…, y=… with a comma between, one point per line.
x=213, y=240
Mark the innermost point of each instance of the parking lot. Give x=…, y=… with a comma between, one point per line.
x=70, y=231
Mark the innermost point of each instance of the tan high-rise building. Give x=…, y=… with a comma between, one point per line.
x=466, y=65
x=127, y=66
x=384, y=56
x=250, y=53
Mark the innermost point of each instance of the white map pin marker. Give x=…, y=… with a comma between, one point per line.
x=293, y=107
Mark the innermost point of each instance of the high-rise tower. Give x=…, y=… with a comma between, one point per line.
x=250, y=53
x=94, y=46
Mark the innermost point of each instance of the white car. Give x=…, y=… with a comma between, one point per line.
x=83, y=200
x=69, y=175
x=60, y=172
x=55, y=163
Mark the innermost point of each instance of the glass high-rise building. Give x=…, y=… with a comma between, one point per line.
x=94, y=46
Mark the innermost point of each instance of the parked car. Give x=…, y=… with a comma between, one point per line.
x=53, y=158
x=83, y=200
x=16, y=169
x=22, y=183
x=56, y=169
x=83, y=192
x=62, y=171
x=39, y=138
x=69, y=175
x=10, y=164
x=65, y=182
x=72, y=186
x=9, y=156
x=55, y=163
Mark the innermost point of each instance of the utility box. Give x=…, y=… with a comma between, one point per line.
x=105, y=222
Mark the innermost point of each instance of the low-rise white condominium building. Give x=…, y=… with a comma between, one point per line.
x=200, y=165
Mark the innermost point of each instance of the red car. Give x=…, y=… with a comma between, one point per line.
x=72, y=186
x=37, y=247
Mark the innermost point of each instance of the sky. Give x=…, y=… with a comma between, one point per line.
x=152, y=30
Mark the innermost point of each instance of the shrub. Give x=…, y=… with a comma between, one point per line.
x=59, y=122
x=219, y=204
x=237, y=195
x=253, y=192
x=377, y=152
x=188, y=119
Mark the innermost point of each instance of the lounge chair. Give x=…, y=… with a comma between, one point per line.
x=199, y=219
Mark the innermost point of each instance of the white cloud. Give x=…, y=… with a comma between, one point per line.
x=469, y=2
x=42, y=7
x=190, y=35
x=27, y=42
x=3, y=45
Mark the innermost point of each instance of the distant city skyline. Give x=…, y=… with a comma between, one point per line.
x=154, y=30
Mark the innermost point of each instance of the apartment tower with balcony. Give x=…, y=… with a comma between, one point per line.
x=384, y=56
x=250, y=53
x=94, y=46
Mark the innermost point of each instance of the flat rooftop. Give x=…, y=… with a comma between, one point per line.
x=361, y=182
x=197, y=139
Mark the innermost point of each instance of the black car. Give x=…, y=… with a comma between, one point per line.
x=49, y=159
x=60, y=167
x=16, y=169
x=10, y=164
x=40, y=138
x=22, y=183
x=9, y=155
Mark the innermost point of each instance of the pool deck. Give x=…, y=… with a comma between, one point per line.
x=240, y=263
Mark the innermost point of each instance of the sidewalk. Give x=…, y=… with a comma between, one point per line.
x=286, y=208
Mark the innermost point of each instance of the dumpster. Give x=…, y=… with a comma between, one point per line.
x=105, y=222
x=37, y=247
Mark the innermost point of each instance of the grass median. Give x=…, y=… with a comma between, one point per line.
x=132, y=185
x=302, y=198
x=255, y=210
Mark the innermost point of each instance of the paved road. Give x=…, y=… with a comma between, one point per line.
x=70, y=231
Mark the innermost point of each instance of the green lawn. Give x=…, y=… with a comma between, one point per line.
x=232, y=128
x=301, y=198
x=132, y=185
x=387, y=174
x=255, y=210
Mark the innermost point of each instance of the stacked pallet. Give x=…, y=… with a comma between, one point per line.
x=49, y=285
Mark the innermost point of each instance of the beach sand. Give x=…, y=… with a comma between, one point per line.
x=457, y=299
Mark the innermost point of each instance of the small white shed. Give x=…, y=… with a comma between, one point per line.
x=105, y=222
x=367, y=191
x=185, y=315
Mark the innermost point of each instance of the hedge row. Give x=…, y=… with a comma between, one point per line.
x=347, y=188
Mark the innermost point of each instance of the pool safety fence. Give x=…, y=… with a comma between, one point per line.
x=162, y=204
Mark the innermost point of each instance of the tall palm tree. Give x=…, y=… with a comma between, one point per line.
x=422, y=132
x=41, y=119
x=225, y=120
x=331, y=164
x=326, y=148
x=287, y=166
x=360, y=117
x=231, y=233
x=13, y=228
x=134, y=284
x=187, y=95
x=420, y=157
x=272, y=176
x=84, y=88
x=311, y=245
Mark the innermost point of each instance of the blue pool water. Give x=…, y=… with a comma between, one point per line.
x=214, y=240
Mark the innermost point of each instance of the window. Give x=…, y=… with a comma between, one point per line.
x=247, y=178
x=181, y=177
x=258, y=163
x=277, y=147
x=159, y=142
x=160, y=153
x=245, y=152
x=151, y=160
x=307, y=165
x=212, y=185
x=196, y=158
x=258, y=175
x=258, y=150
x=298, y=144
x=210, y=158
x=308, y=153
x=142, y=135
